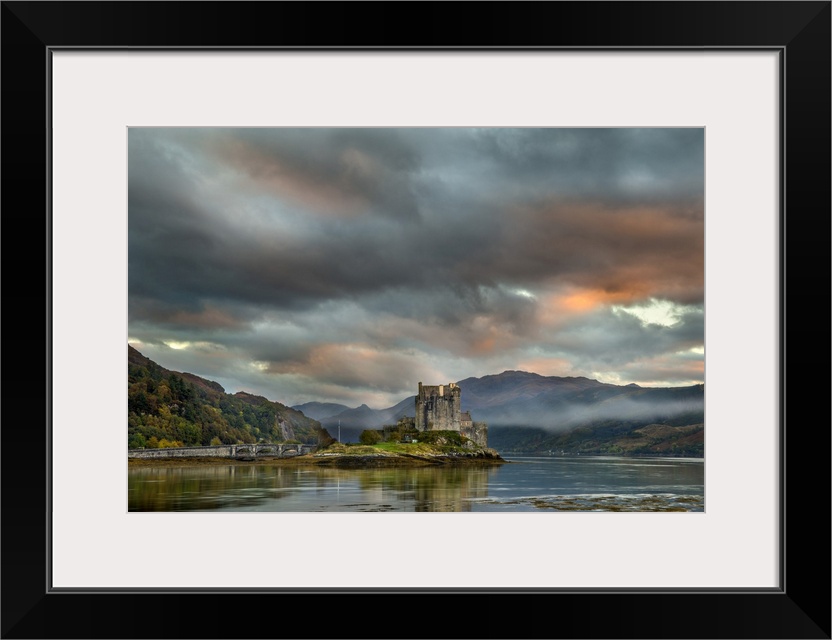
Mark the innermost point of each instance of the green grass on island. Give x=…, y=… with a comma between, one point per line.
x=427, y=447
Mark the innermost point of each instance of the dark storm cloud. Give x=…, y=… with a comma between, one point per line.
x=202, y=248
x=187, y=315
x=472, y=239
x=340, y=172
x=615, y=165
x=650, y=250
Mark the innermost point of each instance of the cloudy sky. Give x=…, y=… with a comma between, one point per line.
x=347, y=265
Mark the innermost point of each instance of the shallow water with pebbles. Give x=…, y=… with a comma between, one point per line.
x=590, y=502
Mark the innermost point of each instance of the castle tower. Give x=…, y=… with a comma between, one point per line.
x=438, y=407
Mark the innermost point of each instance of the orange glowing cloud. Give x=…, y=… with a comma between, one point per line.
x=485, y=337
x=591, y=299
x=558, y=307
x=357, y=363
x=611, y=254
x=484, y=345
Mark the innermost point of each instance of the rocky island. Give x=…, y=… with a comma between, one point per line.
x=405, y=454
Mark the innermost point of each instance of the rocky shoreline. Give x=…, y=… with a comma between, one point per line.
x=484, y=456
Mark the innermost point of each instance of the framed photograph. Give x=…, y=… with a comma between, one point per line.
x=702, y=123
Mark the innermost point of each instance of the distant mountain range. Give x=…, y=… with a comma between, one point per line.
x=525, y=412
x=353, y=421
x=532, y=413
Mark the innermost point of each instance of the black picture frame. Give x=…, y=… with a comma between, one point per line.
x=799, y=31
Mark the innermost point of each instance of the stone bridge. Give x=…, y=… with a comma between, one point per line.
x=233, y=451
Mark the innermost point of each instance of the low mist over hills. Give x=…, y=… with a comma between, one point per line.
x=318, y=410
x=532, y=413
x=353, y=421
x=525, y=412
x=517, y=398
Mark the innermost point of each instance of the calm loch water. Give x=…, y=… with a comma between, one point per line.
x=526, y=484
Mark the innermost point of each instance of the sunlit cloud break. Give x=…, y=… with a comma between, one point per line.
x=664, y=313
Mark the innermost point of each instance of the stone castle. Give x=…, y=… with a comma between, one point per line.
x=438, y=408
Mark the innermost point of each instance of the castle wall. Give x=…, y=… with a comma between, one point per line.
x=477, y=433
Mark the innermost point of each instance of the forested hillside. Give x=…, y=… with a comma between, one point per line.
x=168, y=408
